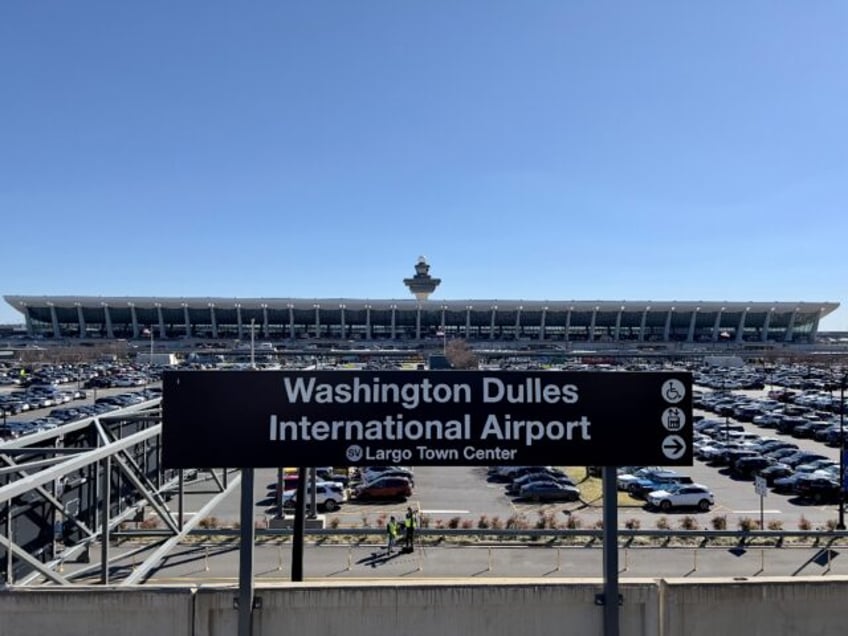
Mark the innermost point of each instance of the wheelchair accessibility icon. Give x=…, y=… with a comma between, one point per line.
x=673, y=391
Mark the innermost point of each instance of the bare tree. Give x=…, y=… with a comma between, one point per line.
x=460, y=355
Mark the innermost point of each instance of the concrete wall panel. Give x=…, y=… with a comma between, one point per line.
x=424, y=608
x=93, y=611
x=756, y=607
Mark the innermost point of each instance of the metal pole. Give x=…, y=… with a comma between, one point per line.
x=299, y=522
x=245, y=597
x=313, y=491
x=104, y=520
x=10, y=570
x=610, y=596
x=841, y=524
x=181, y=492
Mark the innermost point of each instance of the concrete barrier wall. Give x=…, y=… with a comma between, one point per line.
x=92, y=611
x=508, y=607
x=513, y=608
x=755, y=607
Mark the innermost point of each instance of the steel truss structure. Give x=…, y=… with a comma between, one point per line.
x=64, y=491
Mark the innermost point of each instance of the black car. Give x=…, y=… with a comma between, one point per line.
x=749, y=466
x=775, y=471
x=818, y=488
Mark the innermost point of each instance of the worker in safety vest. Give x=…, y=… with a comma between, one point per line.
x=391, y=534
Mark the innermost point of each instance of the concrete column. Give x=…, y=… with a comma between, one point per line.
x=317, y=321
x=368, y=322
x=214, y=319
x=814, y=332
x=80, y=320
x=54, y=318
x=542, y=324
x=238, y=320
x=394, y=323
x=107, y=317
x=592, y=325
x=791, y=328
x=717, y=325
x=492, y=324
x=766, y=325
x=518, y=322
x=690, y=337
x=266, y=331
x=740, y=328
x=617, y=334
x=344, y=326
x=467, y=323
x=134, y=319
x=418, y=323
x=291, y=323
x=642, y=324
x=568, y=324
x=161, y=317
x=667, y=327
x=187, y=320
x=28, y=320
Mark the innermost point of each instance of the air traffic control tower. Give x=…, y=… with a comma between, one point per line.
x=422, y=284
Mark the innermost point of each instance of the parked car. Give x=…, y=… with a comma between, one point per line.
x=656, y=480
x=682, y=496
x=386, y=488
x=549, y=491
x=329, y=495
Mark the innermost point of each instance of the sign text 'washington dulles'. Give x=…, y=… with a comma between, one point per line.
x=460, y=418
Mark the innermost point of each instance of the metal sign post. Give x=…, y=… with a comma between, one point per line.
x=761, y=488
x=245, y=597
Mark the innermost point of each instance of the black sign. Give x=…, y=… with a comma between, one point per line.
x=437, y=418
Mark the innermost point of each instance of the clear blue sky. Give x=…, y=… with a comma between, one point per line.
x=531, y=150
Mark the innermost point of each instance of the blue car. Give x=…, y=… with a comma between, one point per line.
x=656, y=480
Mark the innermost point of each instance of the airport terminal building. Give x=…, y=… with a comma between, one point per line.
x=408, y=320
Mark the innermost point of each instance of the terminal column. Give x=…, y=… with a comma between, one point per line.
x=568, y=324
x=492, y=323
x=766, y=326
x=107, y=316
x=81, y=320
x=394, y=321
x=214, y=320
x=291, y=321
x=28, y=321
x=518, y=321
x=54, y=318
x=418, y=323
x=617, y=336
x=187, y=320
x=468, y=322
x=317, y=320
x=265, y=329
x=592, y=325
x=791, y=328
x=161, y=319
x=642, y=324
x=667, y=328
x=238, y=320
x=134, y=320
x=717, y=324
x=740, y=329
x=368, y=322
x=690, y=337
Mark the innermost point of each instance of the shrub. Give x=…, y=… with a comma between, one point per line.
x=720, y=522
x=483, y=523
x=831, y=525
x=517, y=522
x=424, y=521
x=804, y=524
x=440, y=525
x=365, y=522
x=573, y=522
x=689, y=523
x=334, y=523
x=206, y=522
x=467, y=524
x=153, y=522
x=599, y=524
x=746, y=524
x=775, y=524
x=633, y=524
x=662, y=523
x=454, y=523
x=496, y=522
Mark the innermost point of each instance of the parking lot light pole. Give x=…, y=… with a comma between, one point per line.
x=841, y=524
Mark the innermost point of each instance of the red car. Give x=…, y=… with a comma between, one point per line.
x=389, y=488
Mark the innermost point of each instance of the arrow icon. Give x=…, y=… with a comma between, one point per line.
x=673, y=447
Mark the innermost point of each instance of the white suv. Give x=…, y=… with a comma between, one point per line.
x=329, y=494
